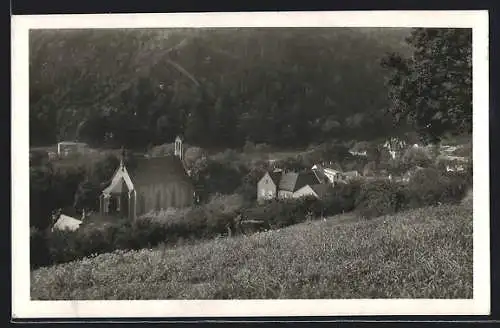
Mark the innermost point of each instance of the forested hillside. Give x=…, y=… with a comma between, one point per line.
x=217, y=87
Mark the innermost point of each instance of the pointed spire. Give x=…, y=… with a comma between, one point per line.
x=122, y=158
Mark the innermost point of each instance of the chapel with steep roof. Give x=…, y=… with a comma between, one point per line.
x=157, y=183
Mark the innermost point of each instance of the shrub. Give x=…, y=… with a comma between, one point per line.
x=430, y=187
x=377, y=198
x=162, y=150
x=417, y=157
x=225, y=204
x=292, y=164
x=217, y=177
x=342, y=198
x=50, y=189
x=193, y=154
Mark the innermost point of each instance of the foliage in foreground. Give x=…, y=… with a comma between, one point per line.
x=433, y=88
x=422, y=253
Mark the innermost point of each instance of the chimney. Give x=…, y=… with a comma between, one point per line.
x=178, y=151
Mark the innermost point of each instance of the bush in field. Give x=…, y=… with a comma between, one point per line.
x=193, y=154
x=379, y=198
x=430, y=187
x=281, y=213
x=292, y=164
x=225, y=204
x=51, y=188
x=162, y=150
x=334, y=152
x=417, y=157
x=217, y=177
x=342, y=198
x=64, y=246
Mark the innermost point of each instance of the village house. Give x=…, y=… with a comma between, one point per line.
x=332, y=176
x=292, y=182
x=67, y=222
x=158, y=183
x=280, y=185
x=267, y=187
x=66, y=148
x=315, y=190
x=455, y=168
x=350, y=175
x=358, y=153
x=395, y=146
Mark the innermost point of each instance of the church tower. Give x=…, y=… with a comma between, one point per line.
x=178, y=149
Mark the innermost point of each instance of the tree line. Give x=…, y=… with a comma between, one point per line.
x=217, y=87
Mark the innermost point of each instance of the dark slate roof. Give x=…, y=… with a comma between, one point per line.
x=320, y=174
x=320, y=189
x=288, y=181
x=276, y=177
x=306, y=178
x=159, y=169
x=294, y=181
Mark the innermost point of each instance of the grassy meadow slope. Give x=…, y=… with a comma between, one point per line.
x=422, y=253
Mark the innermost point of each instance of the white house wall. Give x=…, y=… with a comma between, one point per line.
x=304, y=192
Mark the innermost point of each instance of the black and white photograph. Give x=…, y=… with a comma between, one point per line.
x=242, y=161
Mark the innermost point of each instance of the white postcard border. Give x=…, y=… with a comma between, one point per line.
x=23, y=307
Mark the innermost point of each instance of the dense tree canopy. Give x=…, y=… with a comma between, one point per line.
x=432, y=89
x=217, y=87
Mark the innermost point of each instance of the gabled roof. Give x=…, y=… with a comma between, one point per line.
x=294, y=181
x=120, y=182
x=320, y=175
x=156, y=169
x=148, y=171
x=320, y=189
x=67, y=223
x=117, y=187
x=276, y=177
x=331, y=171
x=288, y=181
